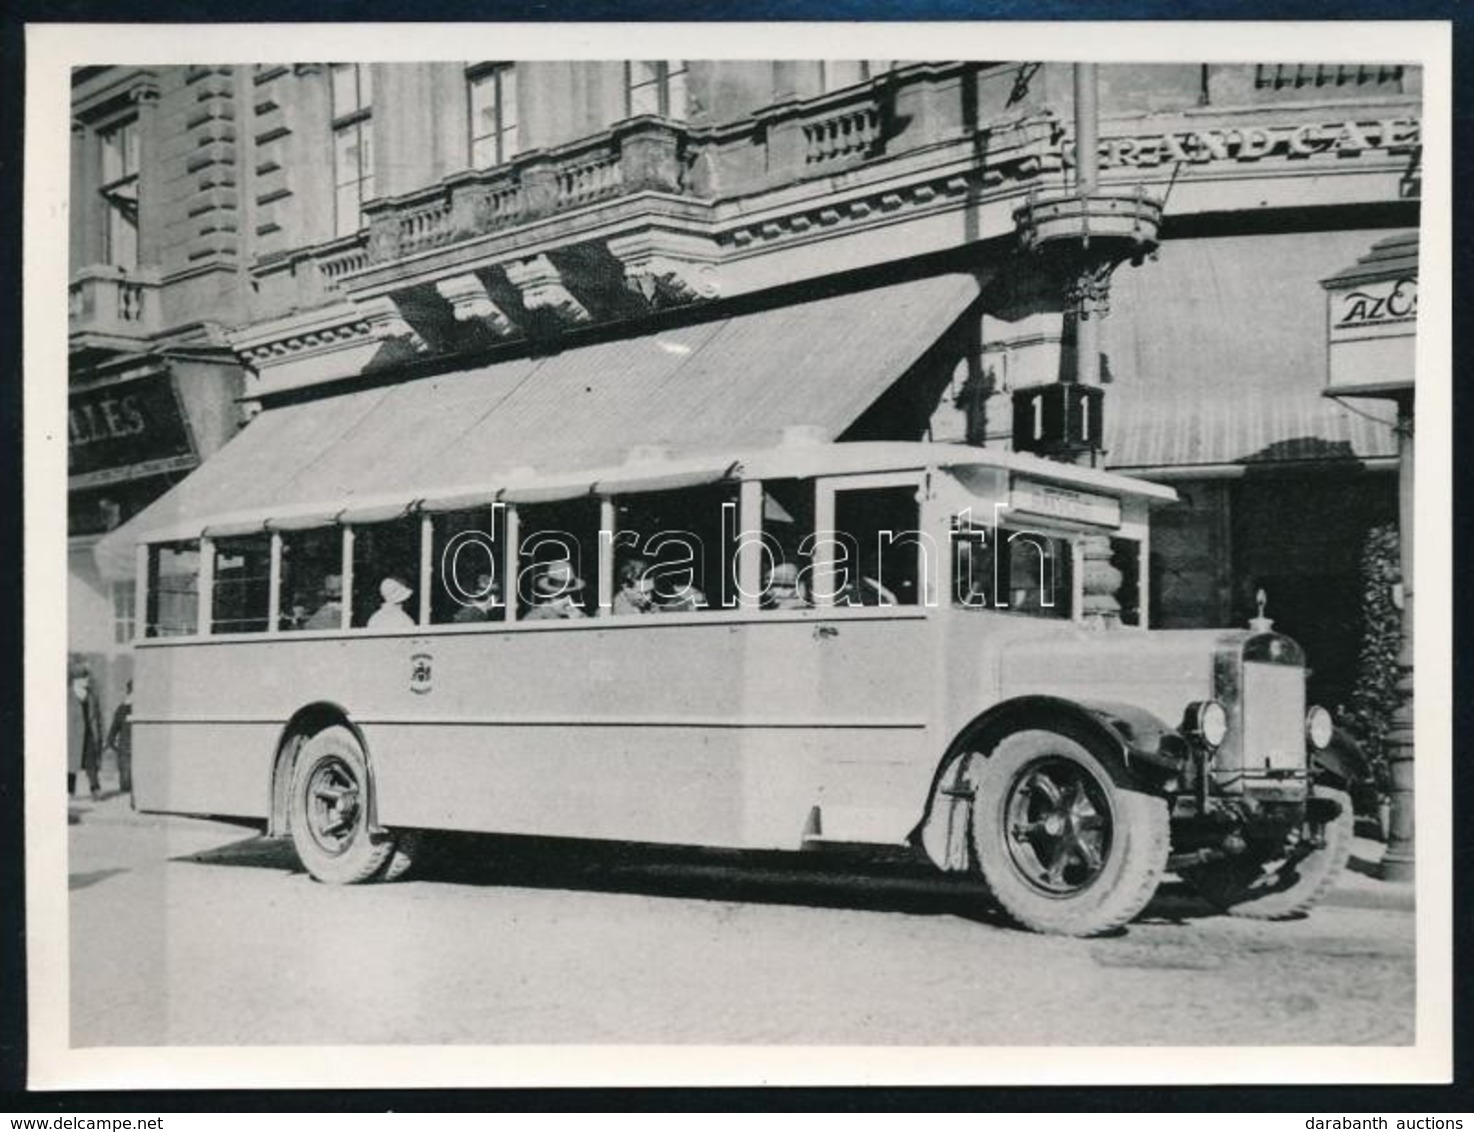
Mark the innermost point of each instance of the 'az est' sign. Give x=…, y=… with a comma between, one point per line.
x=1392, y=300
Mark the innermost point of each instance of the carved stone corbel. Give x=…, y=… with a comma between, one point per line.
x=470, y=302
x=666, y=269
x=542, y=289
x=386, y=322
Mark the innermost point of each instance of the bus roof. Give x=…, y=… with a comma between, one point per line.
x=647, y=470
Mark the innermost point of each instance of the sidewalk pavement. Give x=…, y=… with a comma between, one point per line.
x=1359, y=886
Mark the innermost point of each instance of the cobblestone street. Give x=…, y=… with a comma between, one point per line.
x=187, y=932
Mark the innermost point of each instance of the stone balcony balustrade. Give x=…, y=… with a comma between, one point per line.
x=111, y=308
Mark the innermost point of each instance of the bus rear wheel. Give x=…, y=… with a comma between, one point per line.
x=330, y=808
x=1062, y=847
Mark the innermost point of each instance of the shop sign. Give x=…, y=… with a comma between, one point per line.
x=134, y=423
x=1046, y=500
x=1252, y=143
x=1373, y=334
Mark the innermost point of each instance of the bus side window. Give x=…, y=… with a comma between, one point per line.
x=788, y=527
x=386, y=573
x=558, y=559
x=466, y=566
x=173, y=590
x=241, y=595
x=670, y=552
x=311, y=579
x=880, y=555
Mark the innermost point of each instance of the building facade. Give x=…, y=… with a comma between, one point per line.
x=252, y=237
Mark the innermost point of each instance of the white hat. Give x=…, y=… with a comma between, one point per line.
x=558, y=578
x=393, y=591
x=783, y=574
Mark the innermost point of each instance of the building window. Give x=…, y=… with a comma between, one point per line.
x=125, y=595
x=656, y=88
x=120, y=190
x=353, y=144
x=1297, y=76
x=493, y=97
x=835, y=74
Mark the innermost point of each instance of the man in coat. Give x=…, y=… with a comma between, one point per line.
x=120, y=739
x=84, y=730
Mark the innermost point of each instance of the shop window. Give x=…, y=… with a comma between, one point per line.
x=173, y=590
x=492, y=92
x=672, y=553
x=1011, y=570
x=311, y=579
x=880, y=555
x=558, y=558
x=386, y=573
x=656, y=88
x=353, y=144
x=125, y=597
x=120, y=161
x=241, y=593
x=467, y=563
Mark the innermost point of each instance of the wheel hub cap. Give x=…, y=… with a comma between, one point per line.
x=1059, y=828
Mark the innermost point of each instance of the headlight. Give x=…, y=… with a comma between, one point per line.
x=1319, y=727
x=1208, y=721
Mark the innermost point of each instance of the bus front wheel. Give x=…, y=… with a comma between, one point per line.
x=1062, y=847
x=329, y=811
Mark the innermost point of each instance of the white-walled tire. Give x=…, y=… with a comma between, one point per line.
x=329, y=810
x=1062, y=847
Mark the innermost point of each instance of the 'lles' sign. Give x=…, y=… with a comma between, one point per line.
x=130, y=422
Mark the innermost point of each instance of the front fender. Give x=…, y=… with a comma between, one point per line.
x=1138, y=749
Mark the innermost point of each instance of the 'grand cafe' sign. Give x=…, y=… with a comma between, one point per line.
x=1253, y=143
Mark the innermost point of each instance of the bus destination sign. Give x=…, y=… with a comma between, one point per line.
x=1050, y=501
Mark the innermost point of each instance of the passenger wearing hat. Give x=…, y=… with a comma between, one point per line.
x=554, y=593
x=84, y=729
x=391, y=614
x=329, y=614
x=485, y=606
x=636, y=592
x=783, y=589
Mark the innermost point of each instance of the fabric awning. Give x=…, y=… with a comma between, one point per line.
x=1218, y=357
x=713, y=387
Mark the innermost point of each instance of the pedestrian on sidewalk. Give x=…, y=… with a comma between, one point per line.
x=120, y=740
x=84, y=730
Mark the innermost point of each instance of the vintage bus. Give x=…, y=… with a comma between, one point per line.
x=912, y=644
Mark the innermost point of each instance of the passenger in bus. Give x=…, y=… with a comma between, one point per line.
x=864, y=589
x=329, y=614
x=487, y=604
x=636, y=593
x=554, y=593
x=686, y=599
x=391, y=615
x=782, y=588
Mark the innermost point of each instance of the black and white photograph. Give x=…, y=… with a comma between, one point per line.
x=585, y=568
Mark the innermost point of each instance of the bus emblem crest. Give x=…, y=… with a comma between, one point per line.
x=419, y=673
